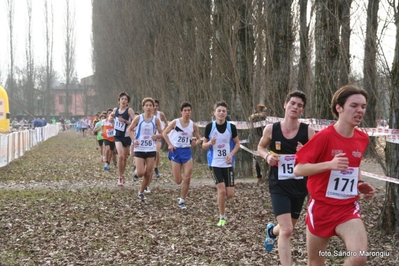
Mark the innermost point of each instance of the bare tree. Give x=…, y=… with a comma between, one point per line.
x=49, y=70
x=389, y=217
x=327, y=56
x=29, y=94
x=344, y=68
x=10, y=80
x=370, y=68
x=304, y=62
x=279, y=44
x=69, y=51
x=369, y=64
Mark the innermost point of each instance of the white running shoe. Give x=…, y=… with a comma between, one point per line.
x=141, y=196
x=120, y=181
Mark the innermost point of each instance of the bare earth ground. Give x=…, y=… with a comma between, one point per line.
x=59, y=207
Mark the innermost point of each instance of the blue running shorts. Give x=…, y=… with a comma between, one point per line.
x=180, y=155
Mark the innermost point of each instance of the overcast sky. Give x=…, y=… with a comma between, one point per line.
x=82, y=30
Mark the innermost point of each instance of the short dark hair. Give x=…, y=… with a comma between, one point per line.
x=156, y=101
x=298, y=94
x=123, y=93
x=184, y=105
x=342, y=94
x=220, y=103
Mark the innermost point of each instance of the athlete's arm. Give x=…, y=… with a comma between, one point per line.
x=131, y=113
x=97, y=127
x=165, y=133
x=159, y=128
x=365, y=188
x=339, y=162
x=197, y=135
x=264, y=143
x=206, y=144
x=163, y=118
x=311, y=133
x=132, y=126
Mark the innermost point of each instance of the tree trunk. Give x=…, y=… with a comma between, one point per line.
x=279, y=42
x=303, y=68
x=327, y=56
x=370, y=69
x=11, y=86
x=389, y=217
x=345, y=43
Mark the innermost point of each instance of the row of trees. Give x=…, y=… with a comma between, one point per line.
x=33, y=81
x=245, y=52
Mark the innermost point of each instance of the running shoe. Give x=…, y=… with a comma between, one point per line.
x=147, y=190
x=107, y=168
x=156, y=172
x=182, y=206
x=135, y=177
x=141, y=196
x=221, y=222
x=269, y=242
x=120, y=181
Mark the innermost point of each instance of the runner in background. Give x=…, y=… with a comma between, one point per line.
x=123, y=116
x=164, y=123
x=84, y=125
x=222, y=143
x=135, y=177
x=287, y=191
x=109, y=141
x=147, y=132
x=256, y=133
x=179, y=142
x=99, y=135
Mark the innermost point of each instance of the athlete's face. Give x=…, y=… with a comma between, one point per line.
x=186, y=112
x=294, y=107
x=123, y=101
x=220, y=113
x=353, y=110
x=155, y=109
x=148, y=107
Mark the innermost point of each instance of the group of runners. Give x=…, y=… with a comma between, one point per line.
x=324, y=165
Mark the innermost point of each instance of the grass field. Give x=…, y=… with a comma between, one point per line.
x=59, y=207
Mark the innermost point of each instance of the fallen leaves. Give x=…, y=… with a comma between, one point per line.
x=59, y=207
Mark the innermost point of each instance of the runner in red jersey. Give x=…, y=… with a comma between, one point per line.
x=331, y=160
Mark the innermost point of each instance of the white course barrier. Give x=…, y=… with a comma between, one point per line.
x=14, y=145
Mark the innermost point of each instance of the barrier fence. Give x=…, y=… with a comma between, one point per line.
x=15, y=144
x=391, y=135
